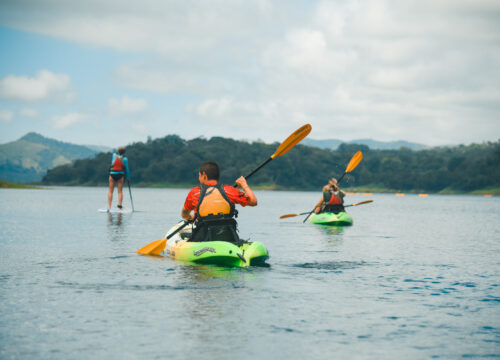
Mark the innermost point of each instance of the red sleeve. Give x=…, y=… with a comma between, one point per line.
x=236, y=196
x=192, y=199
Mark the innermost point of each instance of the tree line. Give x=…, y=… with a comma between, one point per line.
x=173, y=161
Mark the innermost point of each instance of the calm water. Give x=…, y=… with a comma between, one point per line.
x=414, y=278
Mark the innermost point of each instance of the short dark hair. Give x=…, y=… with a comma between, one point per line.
x=121, y=150
x=211, y=169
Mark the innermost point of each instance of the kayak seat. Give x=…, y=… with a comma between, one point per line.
x=216, y=230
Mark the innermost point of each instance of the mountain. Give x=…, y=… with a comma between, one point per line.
x=29, y=158
x=333, y=144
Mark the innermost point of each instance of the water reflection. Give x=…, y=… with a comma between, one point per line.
x=331, y=230
x=115, y=221
x=205, y=273
x=117, y=231
x=218, y=301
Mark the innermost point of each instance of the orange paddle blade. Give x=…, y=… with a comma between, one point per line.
x=154, y=248
x=288, y=215
x=362, y=202
x=292, y=140
x=354, y=161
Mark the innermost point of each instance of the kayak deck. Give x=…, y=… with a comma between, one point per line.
x=220, y=253
x=328, y=218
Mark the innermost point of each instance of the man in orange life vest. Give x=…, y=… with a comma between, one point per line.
x=118, y=171
x=214, y=205
x=333, y=198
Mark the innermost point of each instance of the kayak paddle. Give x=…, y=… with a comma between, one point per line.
x=360, y=203
x=350, y=167
x=305, y=213
x=293, y=215
x=285, y=146
x=157, y=246
x=130, y=192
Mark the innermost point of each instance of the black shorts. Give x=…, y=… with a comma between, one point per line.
x=116, y=177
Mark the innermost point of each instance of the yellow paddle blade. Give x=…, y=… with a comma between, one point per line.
x=288, y=215
x=154, y=248
x=292, y=140
x=354, y=162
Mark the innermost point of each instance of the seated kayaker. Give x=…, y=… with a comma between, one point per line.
x=333, y=198
x=213, y=205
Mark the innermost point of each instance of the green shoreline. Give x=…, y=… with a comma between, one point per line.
x=360, y=189
x=11, y=185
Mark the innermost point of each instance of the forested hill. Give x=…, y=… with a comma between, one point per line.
x=29, y=158
x=172, y=161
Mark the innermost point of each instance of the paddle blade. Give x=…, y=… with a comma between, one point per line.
x=292, y=140
x=288, y=215
x=354, y=161
x=362, y=202
x=154, y=248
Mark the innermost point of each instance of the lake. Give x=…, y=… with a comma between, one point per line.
x=413, y=278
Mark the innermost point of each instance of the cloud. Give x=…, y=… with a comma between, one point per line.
x=6, y=116
x=68, y=120
x=173, y=28
x=127, y=105
x=158, y=78
x=28, y=113
x=385, y=69
x=44, y=86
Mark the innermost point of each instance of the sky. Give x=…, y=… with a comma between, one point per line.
x=110, y=73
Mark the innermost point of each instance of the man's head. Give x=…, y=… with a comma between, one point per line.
x=209, y=171
x=333, y=183
x=121, y=150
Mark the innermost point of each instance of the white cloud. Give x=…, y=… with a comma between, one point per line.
x=6, y=116
x=28, y=113
x=140, y=129
x=165, y=27
x=161, y=79
x=127, y=105
x=385, y=69
x=64, y=121
x=215, y=107
x=43, y=86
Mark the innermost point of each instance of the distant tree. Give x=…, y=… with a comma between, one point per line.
x=172, y=160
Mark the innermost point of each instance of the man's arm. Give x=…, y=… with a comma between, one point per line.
x=318, y=206
x=186, y=214
x=242, y=183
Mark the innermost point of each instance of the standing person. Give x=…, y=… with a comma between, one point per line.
x=333, y=198
x=213, y=205
x=118, y=171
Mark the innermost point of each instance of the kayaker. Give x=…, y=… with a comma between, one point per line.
x=333, y=198
x=118, y=172
x=213, y=205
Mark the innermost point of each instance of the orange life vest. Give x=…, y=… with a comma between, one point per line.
x=215, y=216
x=118, y=164
x=331, y=198
x=214, y=202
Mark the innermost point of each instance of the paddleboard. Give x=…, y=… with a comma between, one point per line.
x=115, y=211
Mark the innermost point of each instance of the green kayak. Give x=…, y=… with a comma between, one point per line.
x=221, y=253
x=328, y=218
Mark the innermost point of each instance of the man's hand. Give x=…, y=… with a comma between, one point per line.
x=242, y=182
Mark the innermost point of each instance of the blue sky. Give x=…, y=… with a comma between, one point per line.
x=107, y=74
